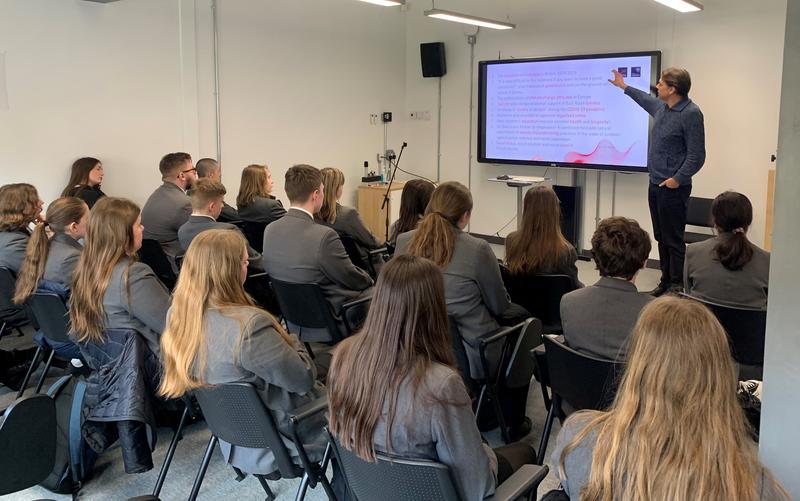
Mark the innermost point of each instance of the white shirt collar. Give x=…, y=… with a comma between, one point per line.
x=303, y=210
x=203, y=215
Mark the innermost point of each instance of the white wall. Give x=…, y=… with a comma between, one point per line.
x=733, y=50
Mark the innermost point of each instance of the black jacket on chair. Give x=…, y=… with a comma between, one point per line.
x=119, y=397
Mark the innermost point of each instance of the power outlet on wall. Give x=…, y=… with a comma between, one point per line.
x=373, y=118
x=419, y=115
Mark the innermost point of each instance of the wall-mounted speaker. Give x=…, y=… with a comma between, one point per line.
x=432, y=57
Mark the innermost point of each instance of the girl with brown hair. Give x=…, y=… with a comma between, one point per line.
x=393, y=389
x=215, y=334
x=19, y=207
x=84, y=181
x=675, y=431
x=538, y=246
x=111, y=289
x=255, y=201
x=474, y=292
x=413, y=201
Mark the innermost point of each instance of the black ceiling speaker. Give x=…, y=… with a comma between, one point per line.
x=432, y=57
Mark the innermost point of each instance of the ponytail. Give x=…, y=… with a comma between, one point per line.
x=734, y=252
x=732, y=213
x=435, y=238
x=32, y=267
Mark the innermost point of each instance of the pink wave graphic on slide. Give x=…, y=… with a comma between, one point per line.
x=604, y=153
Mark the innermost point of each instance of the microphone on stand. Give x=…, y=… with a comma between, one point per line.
x=389, y=187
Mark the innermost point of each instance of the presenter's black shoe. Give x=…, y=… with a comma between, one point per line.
x=659, y=291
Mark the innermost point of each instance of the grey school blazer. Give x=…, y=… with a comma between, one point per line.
x=197, y=224
x=144, y=309
x=163, y=214
x=349, y=221
x=12, y=249
x=706, y=278
x=597, y=320
x=62, y=258
x=262, y=210
x=243, y=346
x=473, y=290
x=436, y=422
x=298, y=250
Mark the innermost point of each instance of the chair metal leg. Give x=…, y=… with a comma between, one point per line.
x=323, y=479
x=265, y=486
x=301, y=491
x=501, y=419
x=34, y=362
x=480, y=401
x=203, y=467
x=162, y=474
x=44, y=372
x=548, y=425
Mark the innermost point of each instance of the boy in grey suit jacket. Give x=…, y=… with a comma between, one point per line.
x=298, y=250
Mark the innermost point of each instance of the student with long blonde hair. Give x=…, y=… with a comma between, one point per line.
x=675, y=431
x=215, y=334
x=255, y=201
x=111, y=289
x=539, y=246
x=393, y=387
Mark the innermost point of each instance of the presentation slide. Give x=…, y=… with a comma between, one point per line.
x=564, y=112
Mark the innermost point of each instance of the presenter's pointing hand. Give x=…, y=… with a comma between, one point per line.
x=670, y=183
x=618, y=81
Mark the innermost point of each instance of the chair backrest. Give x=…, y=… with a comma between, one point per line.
x=460, y=352
x=51, y=315
x=391, y=479
x=522, y=366
x=8, y=285
x=540, y=294
x=583, y=381
x=27, y=442
x=746, y=328
x=698, y=212
x=254, y=233
x=353, y=251
x=152, y=254
x=305, y=306
x=236, y=414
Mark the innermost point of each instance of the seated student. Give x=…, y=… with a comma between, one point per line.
x=341, y=218
x=473, y=287
x=255, y=200
x=50, y=262
x=215, y=334
x=298, y=250
x=169, y=206
x=208, y=197
x=210, y=168
x=84, y=181
x=728, y=269
x=413, y=201
x=393, y=387
x=598, y=319
x=19, y=207
x=538, y=246
x=132, y=296
x=676, y=429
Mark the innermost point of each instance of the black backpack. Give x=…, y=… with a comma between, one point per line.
x=74, y=459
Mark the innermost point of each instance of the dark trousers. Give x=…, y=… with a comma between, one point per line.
x=668, y=211
x=511, y=458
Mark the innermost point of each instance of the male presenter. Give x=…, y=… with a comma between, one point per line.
x=677, y=151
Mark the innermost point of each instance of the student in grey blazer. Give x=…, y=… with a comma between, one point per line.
x=255, y=202
x=210, y=168
x=598, y=319
x=298, y=250
x=208, y=196
x=241, y=344
x=12, y=248
x=728, y=269
x=169, y=206
x=19, y=207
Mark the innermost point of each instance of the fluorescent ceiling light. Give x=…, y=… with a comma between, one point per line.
x=682, y=5
x=467, y=19
x=386, y=3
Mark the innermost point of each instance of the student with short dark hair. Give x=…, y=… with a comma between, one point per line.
x=84, y=181
x=210, y=168
x=255, y=200
x=298, y=250
x=168, y=207
x=597, y=320
x=728, y=269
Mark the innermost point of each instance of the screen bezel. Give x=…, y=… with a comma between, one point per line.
x=655, y=74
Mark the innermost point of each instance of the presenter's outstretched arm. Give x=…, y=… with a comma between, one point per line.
x=649, y=103
x=618, y=81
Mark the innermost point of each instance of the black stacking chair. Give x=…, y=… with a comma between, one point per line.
x=252, y=425
x=11, y=315
x=747, y=331
x=53, y=318
x=354, y=253
x=28, y=442
x=153, y=256
x=698, y=213
x=305, y=306
x=398, y=479
x=581, y=381
x=254, y=233
x=540, y=294
x=258, y=286
x=515, y=367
